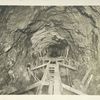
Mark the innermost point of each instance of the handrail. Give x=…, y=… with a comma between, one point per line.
x=39, y=67
x=68, y=66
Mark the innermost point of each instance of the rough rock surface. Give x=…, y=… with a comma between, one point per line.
x=27, y=32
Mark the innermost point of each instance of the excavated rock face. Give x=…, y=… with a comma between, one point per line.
x=27, y=33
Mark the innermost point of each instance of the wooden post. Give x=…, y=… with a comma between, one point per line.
x=57, y=81
x=50, y=90
x=67, y=51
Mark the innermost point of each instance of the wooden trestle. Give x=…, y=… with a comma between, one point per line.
x=52, y=79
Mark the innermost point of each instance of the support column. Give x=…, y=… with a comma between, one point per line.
x=57, y=81
x=50, y=90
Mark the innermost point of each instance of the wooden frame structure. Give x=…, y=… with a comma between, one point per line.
x=52, y=79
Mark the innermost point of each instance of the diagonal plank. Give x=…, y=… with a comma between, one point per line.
x=68, y=66
x=75, y=91
x=88, y=81
x=27, y=89
x=43, y=80
x=86, y=75
x=32, y=86
x=38, y=67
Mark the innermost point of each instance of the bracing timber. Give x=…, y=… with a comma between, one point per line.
x=51, y=82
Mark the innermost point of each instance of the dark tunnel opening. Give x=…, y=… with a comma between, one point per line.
x=55, y=50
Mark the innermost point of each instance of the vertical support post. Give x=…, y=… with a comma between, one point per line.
x=67, y=51
x=50, y=90
x=57, y=80
x=69, y=77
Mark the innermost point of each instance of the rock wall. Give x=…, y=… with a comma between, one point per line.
x=26, y=33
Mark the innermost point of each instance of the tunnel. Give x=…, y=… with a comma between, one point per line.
x=57, y=50
x=54, y=51
x=30, y=35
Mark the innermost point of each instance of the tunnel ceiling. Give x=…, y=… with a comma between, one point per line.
x=27, y=32
x=33, y=29
x=44, y=26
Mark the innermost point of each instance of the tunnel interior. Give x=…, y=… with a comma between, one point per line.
x=30, y=35
x=56, y=50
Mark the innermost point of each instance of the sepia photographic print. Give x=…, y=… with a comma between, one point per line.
x=49, y=50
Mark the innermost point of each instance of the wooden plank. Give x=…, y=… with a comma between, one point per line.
x=32, y=86
x=69, y=77
x=45, y=83
x=51, y=78
x=53, y=59
x=57, y=81
x=75, y=91
x=58, y=60
x=35, y=68
x=43, y=80
x=6, y=91
x=88, y=81
x=35, y=77
x=86, y=76
x=50, y=90
x=31, y=73
x=67, y=51
x=27, y=89
x=68, y=66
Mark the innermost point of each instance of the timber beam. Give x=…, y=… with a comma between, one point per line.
x=75, y=91
x=35, y=68
x=27, y=89
x=68, y=66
